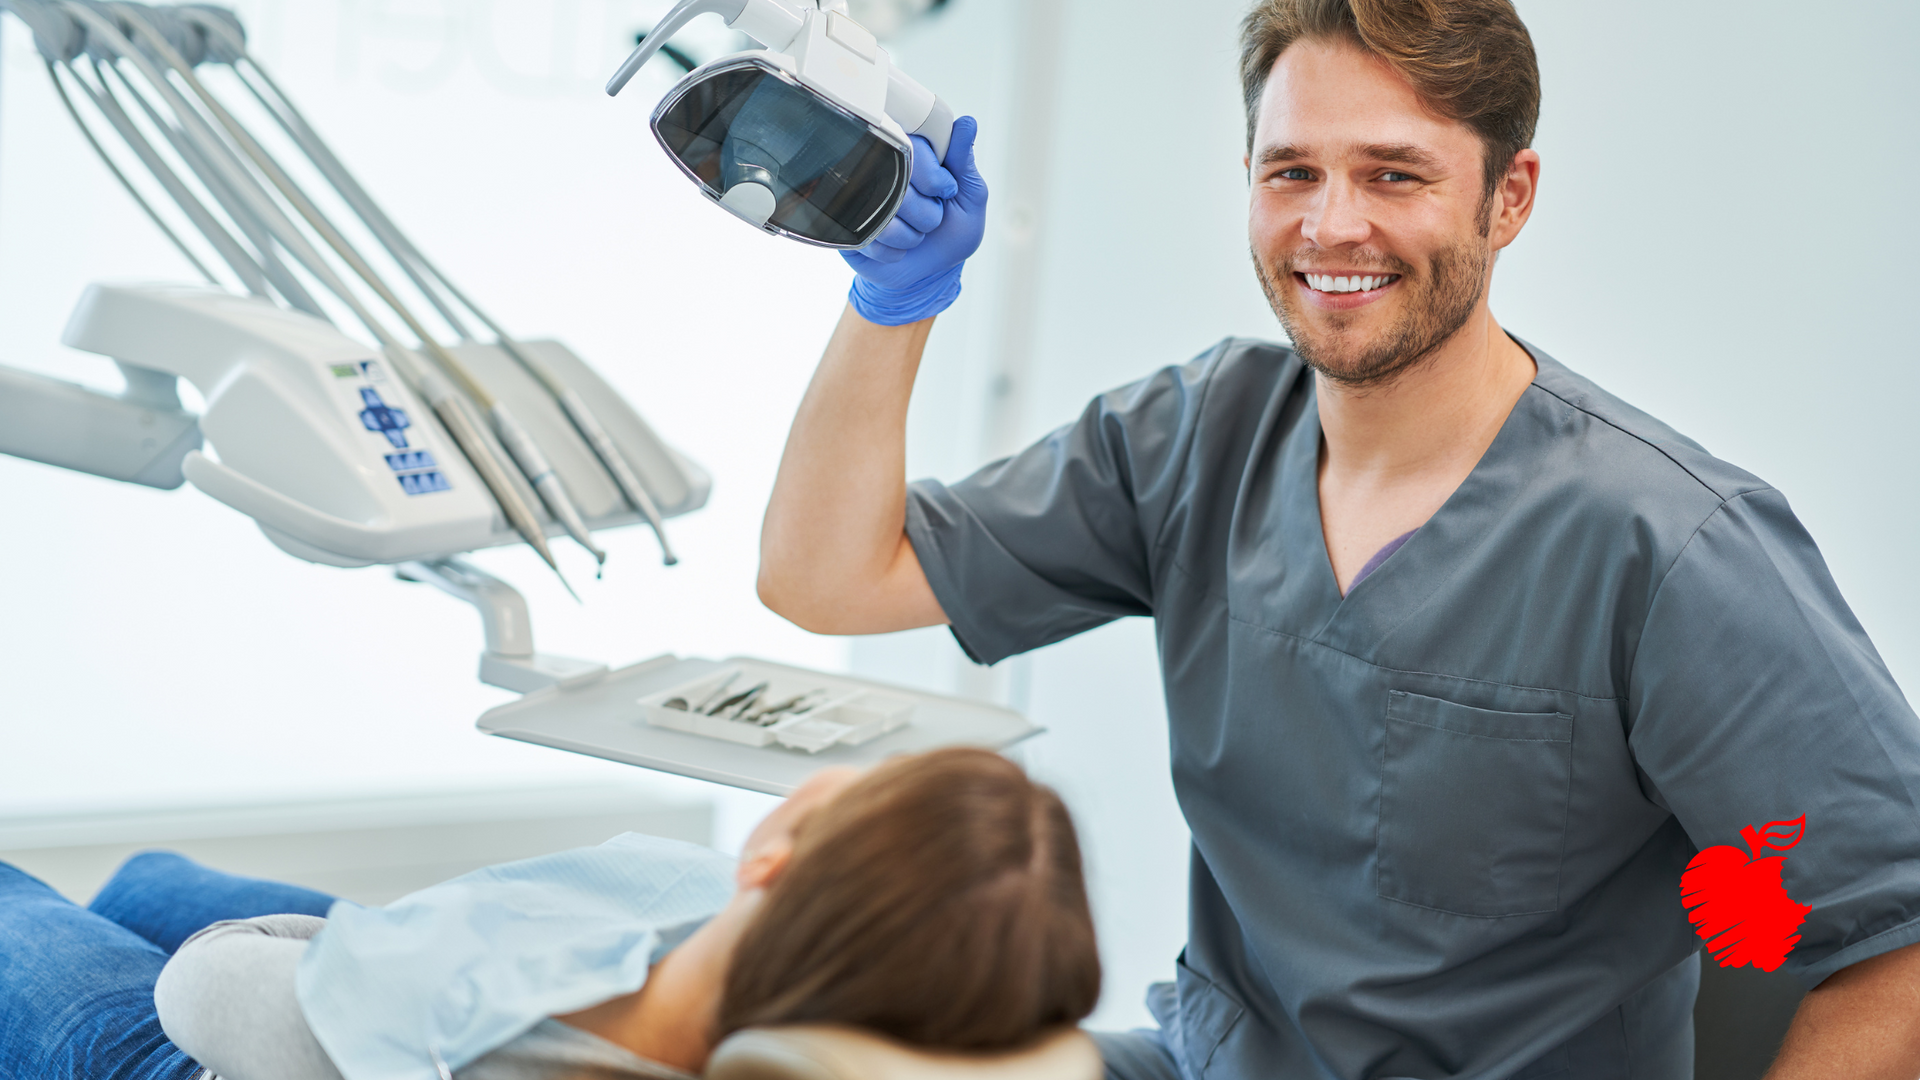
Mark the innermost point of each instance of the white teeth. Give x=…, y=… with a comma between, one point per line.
x=1350, y=283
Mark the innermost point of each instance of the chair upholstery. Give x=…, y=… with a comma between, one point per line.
x=821, y=1052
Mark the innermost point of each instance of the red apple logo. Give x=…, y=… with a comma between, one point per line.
x=1739, y=907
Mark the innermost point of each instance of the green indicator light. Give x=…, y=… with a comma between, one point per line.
x=345, y=371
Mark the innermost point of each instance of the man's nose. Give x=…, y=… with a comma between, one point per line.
x=1336, y=218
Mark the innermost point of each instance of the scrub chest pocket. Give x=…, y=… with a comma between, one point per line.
x=1473, y=807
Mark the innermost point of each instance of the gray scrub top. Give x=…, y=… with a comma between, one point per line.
x=1439, y=824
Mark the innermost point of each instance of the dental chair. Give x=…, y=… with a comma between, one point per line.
x=822, y=1052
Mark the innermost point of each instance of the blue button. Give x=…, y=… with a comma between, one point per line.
x=424, y=483
x=384, y=418
x=411, y=461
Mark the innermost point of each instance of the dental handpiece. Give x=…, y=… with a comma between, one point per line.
x=616, y=463
x=466, y=434
x=545, y=481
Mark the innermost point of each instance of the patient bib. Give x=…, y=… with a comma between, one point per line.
x=462, y=967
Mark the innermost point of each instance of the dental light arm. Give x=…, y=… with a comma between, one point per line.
x=820, y=39
x=683, y=13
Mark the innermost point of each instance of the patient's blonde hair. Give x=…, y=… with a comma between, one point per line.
x=938, y=900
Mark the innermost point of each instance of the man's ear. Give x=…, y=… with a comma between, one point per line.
x=761, y=869
x=1513, y=203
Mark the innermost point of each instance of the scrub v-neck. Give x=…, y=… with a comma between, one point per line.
x=1380, y=557
x=1358, y=621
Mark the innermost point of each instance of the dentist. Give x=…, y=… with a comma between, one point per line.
x=1465, y=658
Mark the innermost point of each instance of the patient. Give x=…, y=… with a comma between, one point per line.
x=937, y=899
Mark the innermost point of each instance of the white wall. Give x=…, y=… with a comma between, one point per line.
x=1724, y=219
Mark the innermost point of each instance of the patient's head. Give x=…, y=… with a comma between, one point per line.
x=937, y=899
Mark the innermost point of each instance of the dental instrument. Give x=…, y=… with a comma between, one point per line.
x=807, y=137
x=717, y=691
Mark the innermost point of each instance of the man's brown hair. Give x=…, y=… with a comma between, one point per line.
x=1469, y=60
x=938, y=900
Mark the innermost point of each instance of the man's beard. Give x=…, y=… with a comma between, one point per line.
x=1439, y=304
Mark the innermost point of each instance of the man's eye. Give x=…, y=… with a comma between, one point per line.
x=1295, y=173
x=1396, y=177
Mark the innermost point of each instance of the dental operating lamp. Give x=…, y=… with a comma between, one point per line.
x=410, y=454
x=808, y=137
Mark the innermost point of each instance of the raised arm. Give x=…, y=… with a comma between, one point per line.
x=834, y=554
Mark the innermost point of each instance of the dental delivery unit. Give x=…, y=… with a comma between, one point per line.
x=411, y=453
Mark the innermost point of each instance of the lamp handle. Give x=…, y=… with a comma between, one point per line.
x=683, y=13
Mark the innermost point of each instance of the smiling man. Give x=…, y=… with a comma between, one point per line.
x=1465, y=658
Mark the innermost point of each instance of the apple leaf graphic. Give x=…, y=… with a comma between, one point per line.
x=1738, y=905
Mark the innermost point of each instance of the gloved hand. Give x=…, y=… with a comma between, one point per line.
x=911, y=271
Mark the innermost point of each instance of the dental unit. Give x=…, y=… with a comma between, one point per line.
x=411, y=452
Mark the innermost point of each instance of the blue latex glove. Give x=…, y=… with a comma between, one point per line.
x=911, y=271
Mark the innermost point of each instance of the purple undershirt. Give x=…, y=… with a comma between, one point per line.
x=1379, y=557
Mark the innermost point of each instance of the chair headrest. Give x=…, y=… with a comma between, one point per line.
x=826, y=1052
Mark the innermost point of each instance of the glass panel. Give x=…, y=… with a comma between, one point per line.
x=834, y=181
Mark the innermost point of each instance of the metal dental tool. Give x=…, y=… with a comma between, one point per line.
x=716, y=692
x=746, y=702
x=746, y=695
x=808, y=138
x=772, y=714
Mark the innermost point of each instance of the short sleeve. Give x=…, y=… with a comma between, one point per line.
x=1058, y=538
x=1755, y=698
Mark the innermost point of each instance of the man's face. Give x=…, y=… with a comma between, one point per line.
x=1367, y=223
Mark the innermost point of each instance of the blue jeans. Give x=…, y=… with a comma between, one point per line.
x=76, y=984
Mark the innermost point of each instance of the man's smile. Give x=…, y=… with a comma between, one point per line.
x=1343, y=291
